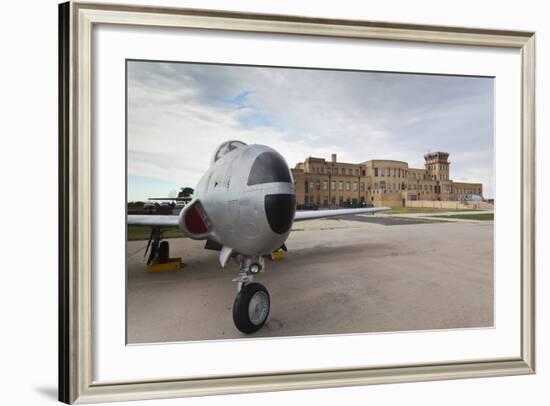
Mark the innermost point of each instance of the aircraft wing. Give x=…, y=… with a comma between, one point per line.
x=151, y=220
x=318, y=214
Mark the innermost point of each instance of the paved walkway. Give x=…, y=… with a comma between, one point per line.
x=438, y=216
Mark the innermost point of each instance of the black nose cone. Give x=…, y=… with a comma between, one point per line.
x=280, y=209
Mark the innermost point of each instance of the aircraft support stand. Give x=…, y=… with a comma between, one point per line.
x=159, y=254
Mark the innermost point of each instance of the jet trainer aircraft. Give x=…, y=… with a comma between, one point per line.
x=244, y=206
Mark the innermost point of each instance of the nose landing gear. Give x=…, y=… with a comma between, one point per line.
x=252, y=304
x=251, y=308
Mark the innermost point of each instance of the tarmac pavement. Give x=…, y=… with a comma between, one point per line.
x=339, y=276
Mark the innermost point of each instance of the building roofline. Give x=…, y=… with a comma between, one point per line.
x=385, y=160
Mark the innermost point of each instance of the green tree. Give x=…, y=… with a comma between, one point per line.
x=186, y=193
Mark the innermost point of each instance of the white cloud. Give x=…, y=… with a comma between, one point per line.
x=179, y=113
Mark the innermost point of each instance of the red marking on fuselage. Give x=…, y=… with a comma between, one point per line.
x=194, y=221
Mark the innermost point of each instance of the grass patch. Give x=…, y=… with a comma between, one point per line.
x=407, y=210
x=477, y=216
x=143, y=233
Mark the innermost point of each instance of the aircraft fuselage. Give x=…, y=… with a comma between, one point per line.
x=249, y=195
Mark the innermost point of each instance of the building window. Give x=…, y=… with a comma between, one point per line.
x=383, y=185
x=333, y=185
x=318, y=185
x=341, y=186
x=306, y=186
x=325, y=185
x=448, y=189
x=375, y=171
x=350, y=171
x=355, y=186
x=362, y=187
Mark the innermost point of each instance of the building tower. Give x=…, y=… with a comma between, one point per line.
x=437, y=165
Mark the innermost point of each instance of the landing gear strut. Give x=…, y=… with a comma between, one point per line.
x=159, y=250
x=252, y=304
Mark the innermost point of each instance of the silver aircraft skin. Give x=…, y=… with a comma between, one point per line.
x=236, y=207
x=245, y=204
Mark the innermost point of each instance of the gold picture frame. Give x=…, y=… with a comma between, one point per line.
x=76, y=21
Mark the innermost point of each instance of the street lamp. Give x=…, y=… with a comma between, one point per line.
x=331, y=169
x=359, y=185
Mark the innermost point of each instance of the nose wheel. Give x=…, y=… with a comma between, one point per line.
x=251, y=308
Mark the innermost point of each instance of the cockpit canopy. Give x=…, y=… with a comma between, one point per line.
x=226, y=148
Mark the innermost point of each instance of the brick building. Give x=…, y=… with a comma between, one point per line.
x=331, y=183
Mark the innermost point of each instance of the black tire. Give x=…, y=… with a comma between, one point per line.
x=163, y=252
x=241, y=314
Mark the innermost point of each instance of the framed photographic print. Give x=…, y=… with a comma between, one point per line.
x=263, y=202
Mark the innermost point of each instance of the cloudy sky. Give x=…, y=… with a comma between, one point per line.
x=178, y=114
